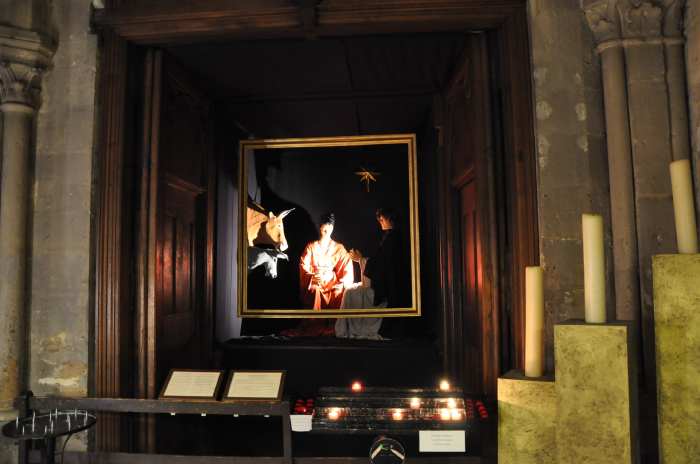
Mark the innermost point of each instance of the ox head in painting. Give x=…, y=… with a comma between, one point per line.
x=267, y=258
x=272, y=231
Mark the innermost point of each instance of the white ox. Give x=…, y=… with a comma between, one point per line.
x=267, y=229
x=265, y=257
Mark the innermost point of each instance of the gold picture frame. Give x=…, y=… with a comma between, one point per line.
x=352, y=174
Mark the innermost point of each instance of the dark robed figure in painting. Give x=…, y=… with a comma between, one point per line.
x=389, y=268
x=325, y=269
x=384, y=281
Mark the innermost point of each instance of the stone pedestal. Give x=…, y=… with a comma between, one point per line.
x=526, y=419
x=677, y=327
x=596, y=393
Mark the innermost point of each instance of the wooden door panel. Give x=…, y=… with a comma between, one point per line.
x=178, y=306
x=471, y=324
x=182, y=168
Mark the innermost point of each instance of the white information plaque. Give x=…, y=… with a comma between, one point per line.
x=191, y=384
x=255, y=385
x=442, y=441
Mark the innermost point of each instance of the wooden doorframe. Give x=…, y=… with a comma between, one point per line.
x=120, y=24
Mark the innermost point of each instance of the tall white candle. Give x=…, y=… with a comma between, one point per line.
x=534, y=321
x=593, y=267
x=682, y=185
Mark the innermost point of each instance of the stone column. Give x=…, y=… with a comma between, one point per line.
x=23, y=54
x=605, y=25
x=640, y=44
x=692, y=35
x=18, y=118
x=676, y=79
x=641, y=48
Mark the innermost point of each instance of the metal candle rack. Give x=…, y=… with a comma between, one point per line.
x=46, y=427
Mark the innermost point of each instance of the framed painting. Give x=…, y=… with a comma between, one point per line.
x=328, y=227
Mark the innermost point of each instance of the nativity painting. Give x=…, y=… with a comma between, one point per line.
x=318, y=243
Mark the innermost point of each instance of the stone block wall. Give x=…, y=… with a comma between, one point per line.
x=59, y=296
x=60, y=260
x=571, y=152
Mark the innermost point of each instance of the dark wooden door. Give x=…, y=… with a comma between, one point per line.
x=470, y=277
x=174, y=249
x=175, y=226
x=470, y=262
x=184, y=225
x=179, y=304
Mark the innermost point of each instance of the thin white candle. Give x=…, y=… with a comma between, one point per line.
x=593, y=268
x=534, y=321
x=683, y=209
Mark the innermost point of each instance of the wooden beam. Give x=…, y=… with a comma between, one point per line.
x=174, y=23
x=130, y=405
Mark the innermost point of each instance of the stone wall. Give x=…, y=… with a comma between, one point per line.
x=61, y=246
x=62, y=210
x=571, y=152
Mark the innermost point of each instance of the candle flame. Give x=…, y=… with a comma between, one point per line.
x=445, y=414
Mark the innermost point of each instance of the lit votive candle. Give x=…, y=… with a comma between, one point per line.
x=451, y=403
x=445, y=414
x=334, y=414
x=356, y=386
x=415, y=403
x=455, y=414
x=444, y=385
x=397, y=415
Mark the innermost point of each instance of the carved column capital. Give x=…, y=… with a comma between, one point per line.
x=640, y=19
x=611, y=20
x=674, y=13
x=603, y=19
x=24, y=56
x=19, y=84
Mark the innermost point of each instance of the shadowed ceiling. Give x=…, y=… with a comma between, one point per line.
x=330, y=86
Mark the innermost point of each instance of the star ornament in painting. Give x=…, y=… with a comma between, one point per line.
x=367, y=176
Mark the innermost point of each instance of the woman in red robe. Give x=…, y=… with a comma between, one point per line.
x=325, y=269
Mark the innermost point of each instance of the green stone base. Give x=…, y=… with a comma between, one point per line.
x=677, y=333
x=596, y=393
x=526, y=419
